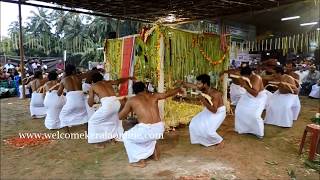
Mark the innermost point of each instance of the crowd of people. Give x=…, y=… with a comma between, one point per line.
x=74, y=98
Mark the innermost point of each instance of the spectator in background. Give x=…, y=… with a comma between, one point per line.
x=43, y=66
x=29, y=68
x=100, y=66
x=34, y=65
x=60, y=66
x=311, y=79
x=9, y=65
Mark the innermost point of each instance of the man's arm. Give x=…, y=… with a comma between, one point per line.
x=43, y=81
x=125, y=111
x=121, y=80
x=60, y=90
x=167, y=94
x=91, y=97
x=85, y=75
x=214, y=107
x=254, y=91
x=288, y=85
x=189, y=85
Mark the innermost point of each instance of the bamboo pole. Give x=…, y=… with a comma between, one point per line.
x=21, y=52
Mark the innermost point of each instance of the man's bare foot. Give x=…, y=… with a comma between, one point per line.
x=140, y=164
x=100, y=145
x=156, y=154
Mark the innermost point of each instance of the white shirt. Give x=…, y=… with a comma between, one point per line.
x=302, y=75
x=9, y=66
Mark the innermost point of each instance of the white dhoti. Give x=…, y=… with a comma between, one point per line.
x=86, y=87
x=236, y=92
x=26, y=90
x=104, y=124
x=53, y=104
x=140, y=141
x=282, y=109
x=269, y=95
x=74, y=112
x=204, y=125
x=248, y=114
x=315, y=91
x=91, y=110
x=37, y=108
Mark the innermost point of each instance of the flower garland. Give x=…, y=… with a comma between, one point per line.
x=208, y=58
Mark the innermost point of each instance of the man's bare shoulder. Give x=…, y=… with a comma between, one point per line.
x=294, y=75
x=215, y=93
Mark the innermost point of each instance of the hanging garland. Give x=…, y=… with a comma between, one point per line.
x=206, y=56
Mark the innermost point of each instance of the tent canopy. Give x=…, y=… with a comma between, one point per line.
x=153, y=10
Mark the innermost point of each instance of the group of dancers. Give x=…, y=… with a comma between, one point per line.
x=69, y=101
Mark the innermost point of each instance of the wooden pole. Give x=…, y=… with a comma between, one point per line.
x=118, y=28
x=21, y=52
x=161, y=77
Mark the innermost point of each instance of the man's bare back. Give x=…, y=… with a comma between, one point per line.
x=72, y=83
x=216, y=96
x=256, y=82
x=36, y=84
x=51, y=84
x=103, y=89
x=145, y=106
x=285, y=89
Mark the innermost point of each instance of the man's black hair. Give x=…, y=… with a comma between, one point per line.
x=70, y=69
x=52, y=76
x=204, y=79
x=245, y=71
x=138, y=87
x=291, y=62
x=38, y=74
x=96, y=77
x=279, y=70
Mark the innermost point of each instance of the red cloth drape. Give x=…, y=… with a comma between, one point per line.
x=128, y=44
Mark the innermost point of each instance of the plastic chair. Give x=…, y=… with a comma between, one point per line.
x=315, y=137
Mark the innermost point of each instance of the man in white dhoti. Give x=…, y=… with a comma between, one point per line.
x=236, y=91
x=104, y=124
x=74, y=112
x=283, y=106
x=251, y=105
x=140, y=141
x=86, y=85
x=37, y=109
x=315, y=91
x=53, y=102
x=203, y=127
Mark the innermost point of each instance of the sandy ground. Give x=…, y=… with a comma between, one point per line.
x=240, y=157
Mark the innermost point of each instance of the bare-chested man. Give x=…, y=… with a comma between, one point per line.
x=37, y=108
x=204, y=125
x=74, y=112
x=236, y=91
x=284, y=105
x=53, y=102
x=88, y=81
x=104, y=124
x=140, y=141
x=289, y=70
x=251, y=104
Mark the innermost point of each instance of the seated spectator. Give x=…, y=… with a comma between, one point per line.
x=311, y=79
